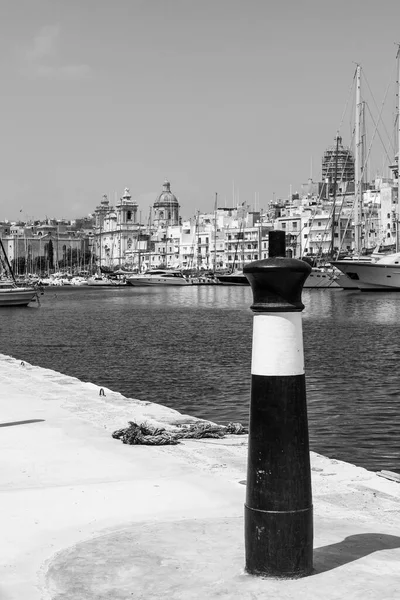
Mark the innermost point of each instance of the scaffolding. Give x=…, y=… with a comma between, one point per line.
x=340, y=159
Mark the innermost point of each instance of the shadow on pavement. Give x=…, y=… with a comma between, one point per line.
x=12, y=423
x=352, y=548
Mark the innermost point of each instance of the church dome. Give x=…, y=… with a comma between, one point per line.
x=166, y=196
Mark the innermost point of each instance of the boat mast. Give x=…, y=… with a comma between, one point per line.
x=215, y=231
x=398, y=149
x=357, y=178
x=197, y=243
x=100, y=242
x=7, y=261
x=334, y=195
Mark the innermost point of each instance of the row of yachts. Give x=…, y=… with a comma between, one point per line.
x=371, y=273
x=319, y=277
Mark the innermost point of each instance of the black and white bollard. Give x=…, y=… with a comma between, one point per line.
x=278, y=509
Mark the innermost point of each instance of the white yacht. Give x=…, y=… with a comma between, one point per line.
x=158, y=277
x=321, y=277
x=375, y=274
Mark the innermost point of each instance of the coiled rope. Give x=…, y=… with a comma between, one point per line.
x=147, y=435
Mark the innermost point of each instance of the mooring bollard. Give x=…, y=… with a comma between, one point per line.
x=278, y=509
x=276, y=243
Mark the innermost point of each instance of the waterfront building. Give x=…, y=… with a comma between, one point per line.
x=120, y=240
x=224, y=238
x=244, y=245
x=379, y=214
x=116, y=231
x=45, y=247
x=167, y=242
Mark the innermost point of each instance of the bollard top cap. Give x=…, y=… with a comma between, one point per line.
x=277, y=284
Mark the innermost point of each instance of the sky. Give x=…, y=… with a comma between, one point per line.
x=238, y=98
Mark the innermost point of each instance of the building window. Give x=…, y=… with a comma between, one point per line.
x=283, y=225
x=294, y=224
x=305, y=235
x=319, y=223
x=129, y=215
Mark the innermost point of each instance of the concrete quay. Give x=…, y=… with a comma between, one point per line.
x=85, y=517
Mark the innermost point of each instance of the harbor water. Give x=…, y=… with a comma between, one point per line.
x=190, y=348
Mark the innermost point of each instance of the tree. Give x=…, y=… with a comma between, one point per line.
x=40, y=264
x=18, y=265
x=50, y=254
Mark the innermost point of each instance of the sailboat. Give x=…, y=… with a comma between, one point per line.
x=10, y=293
x=235, y=276
x=319, y=278
x=380, y=273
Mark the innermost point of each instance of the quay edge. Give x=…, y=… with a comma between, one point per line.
x=83, y=516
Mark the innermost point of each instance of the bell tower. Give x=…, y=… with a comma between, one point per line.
x=101, y=211
x=126, y=209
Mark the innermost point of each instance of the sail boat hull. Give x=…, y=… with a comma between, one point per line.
x=15, y=296
x=233, y=279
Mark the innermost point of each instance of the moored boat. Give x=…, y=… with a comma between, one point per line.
x=158, y=277
x=319, y=278
x=376, y=272
x=104, y=281
x=382, y=274
x=13, y=295
x=234, y=278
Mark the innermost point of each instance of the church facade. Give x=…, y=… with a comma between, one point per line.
x=119, y=238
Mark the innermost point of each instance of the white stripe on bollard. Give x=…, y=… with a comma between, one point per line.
x=277, y=344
